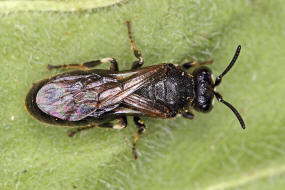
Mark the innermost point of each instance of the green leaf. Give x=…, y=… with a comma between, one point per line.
x=58, y=5
x=211, y=152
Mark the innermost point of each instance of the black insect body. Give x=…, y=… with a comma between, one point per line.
x=93, y=98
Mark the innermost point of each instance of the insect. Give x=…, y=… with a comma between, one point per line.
x=89, y=98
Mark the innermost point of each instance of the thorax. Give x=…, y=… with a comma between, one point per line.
x=175, y=89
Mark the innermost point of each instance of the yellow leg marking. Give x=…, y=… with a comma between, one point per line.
x=106, y=60
x=136, y=138
x=133, y=47
x=118, y=126
x=140, y=122
x=79, y=66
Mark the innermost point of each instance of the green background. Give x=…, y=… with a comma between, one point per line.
x=211, y=152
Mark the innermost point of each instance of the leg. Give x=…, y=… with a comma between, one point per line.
x=72, y=133
x=122, y=124
x=137, y=53
x=140, y=129
x=188, y=115
x=190, y=64
x=88, y=65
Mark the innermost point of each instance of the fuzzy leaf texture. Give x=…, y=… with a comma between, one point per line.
x=211, y=152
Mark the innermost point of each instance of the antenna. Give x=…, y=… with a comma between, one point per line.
x=220, y=99
x=219, y=78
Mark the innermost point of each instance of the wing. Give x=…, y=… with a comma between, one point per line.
x=143, y=106
x=74, y=97
x=134, y=104
x=141, y=78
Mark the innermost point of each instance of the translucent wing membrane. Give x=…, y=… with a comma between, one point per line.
x=73, y=98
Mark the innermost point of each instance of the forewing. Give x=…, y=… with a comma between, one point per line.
x=74, y=97
x=136, y=81
x=146, y=107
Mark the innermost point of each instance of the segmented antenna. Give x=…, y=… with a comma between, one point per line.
x=219, y=78
x=220, y=99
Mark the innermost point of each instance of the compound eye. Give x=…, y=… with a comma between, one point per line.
x=204, y=104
